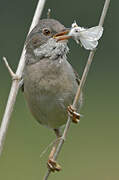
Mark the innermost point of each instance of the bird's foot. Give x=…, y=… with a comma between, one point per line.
x=53, y=166
x=73, y=114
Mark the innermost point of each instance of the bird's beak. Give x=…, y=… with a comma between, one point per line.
x=63, y=35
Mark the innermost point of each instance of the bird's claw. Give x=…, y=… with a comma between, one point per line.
x=53, y=166
x=74, y=115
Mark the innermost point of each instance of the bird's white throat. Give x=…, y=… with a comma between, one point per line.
x=52, y=49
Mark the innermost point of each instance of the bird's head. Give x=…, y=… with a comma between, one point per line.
x=47, y=40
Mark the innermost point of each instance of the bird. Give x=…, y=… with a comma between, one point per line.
x=49, y=80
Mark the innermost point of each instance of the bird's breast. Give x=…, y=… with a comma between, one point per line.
x=49, y=88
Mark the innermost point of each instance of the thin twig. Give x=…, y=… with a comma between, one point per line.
x=45, y=150
x=81, y=85
x=15, y=83
x=48, y=13
x=12, y=74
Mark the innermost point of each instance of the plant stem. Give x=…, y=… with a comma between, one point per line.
x=15, y=83
x=79, y=90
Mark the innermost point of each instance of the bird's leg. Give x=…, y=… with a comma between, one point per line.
x=74, y=115
x=52, y=164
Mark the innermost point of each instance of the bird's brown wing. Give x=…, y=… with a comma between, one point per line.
x=77, y=77
x=78, y=82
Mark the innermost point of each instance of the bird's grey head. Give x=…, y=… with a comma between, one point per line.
x=42, y=42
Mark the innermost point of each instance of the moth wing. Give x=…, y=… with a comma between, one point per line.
x=92, y=34
x=89, y=45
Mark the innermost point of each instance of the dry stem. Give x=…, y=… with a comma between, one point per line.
x=12, y=74
x=81, y=85
x=16, y=79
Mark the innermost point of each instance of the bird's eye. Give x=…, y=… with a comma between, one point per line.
x=46, y=32
x=76, y=30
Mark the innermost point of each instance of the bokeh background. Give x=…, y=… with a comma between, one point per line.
x=91, y=150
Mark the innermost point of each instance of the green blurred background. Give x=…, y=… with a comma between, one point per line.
x=91, y=150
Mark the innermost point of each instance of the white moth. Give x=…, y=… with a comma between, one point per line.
x=87, y=37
